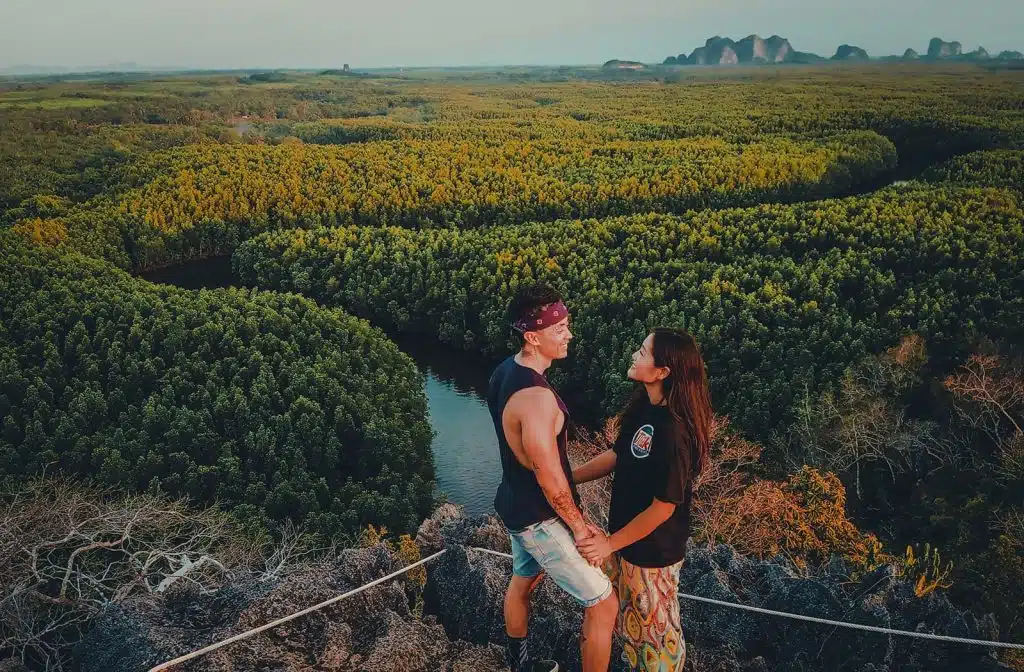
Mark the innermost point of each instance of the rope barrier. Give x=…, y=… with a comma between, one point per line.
x=487, y=550
x=854, y=626
x=800, y=617
x=249, y=633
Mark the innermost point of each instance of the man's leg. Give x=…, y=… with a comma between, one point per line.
x=589, y=585
x=596, y=638
x=517, y=604
x=526, y=576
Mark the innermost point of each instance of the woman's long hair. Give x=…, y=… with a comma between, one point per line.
x=687, y=397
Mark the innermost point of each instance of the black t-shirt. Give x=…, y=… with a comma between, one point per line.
x=648, y=465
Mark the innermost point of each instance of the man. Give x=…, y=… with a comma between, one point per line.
x=537, y=499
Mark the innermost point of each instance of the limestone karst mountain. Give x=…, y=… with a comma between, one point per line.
x=719, y=50
x=938, y=48
x=848, y=52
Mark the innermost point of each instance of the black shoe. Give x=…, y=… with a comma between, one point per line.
x=542, y=666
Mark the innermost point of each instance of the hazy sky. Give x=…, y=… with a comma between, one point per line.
x=373, y=33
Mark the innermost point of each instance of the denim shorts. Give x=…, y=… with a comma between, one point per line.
x=548, y=546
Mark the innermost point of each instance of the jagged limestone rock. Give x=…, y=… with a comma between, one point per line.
x=12, y=665
x=374, y=630
x=428, y=536
x=463, y=628
x=731, y=638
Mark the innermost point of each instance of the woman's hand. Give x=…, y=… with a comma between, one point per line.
x=596, y=548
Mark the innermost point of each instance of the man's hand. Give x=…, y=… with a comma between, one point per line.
x=592, y=532
x=596, y=548
x=582, y=531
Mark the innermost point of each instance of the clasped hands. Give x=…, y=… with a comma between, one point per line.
x=594, y=545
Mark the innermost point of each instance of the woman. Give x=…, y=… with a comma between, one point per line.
x=662, y=445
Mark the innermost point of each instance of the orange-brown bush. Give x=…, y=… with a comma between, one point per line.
x=804, y=518
x=404, y=548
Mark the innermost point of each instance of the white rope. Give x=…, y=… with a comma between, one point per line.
x=825, y=621
x=487, y=550
x=855, y=626
x=249, y=633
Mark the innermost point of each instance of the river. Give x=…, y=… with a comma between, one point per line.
x=465, y=454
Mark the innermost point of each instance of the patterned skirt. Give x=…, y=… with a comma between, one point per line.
x=648, y=622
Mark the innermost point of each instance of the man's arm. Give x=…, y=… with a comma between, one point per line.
x=538, y=423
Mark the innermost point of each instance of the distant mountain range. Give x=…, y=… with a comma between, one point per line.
x=44, y=69
x=754, y=49
x=717, y=50
x=751, y=49
x=26, y=70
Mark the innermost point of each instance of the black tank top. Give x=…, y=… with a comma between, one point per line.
x=520, y=502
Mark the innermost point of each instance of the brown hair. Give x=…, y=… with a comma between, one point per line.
x=527, y=299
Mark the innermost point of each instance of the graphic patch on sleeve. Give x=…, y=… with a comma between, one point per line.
x=641, y=444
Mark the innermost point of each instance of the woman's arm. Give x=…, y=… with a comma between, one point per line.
x=595, y=468
x=645, y=522
x=598, y=547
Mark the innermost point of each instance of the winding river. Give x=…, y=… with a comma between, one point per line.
x=465, y=455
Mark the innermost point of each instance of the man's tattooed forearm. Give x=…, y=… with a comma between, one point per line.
x=564, y=505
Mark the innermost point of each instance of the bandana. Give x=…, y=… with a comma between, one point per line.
x=540, y=319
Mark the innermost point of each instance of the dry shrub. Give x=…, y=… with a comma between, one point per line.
x=988, y=395
x=595, y=496
x=68, y=550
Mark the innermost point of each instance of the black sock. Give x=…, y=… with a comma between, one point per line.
x=515, y=652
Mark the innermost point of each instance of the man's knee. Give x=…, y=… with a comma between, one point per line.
x=523, y=586
x=606, y=610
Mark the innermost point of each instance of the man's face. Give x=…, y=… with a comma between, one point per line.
x=553, y=342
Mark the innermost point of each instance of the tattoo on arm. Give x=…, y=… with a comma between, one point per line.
x=564, y=505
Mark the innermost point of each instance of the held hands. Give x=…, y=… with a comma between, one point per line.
x=583, y=531
x=596, y=546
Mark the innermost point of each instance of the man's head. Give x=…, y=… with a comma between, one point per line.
x=541, y=321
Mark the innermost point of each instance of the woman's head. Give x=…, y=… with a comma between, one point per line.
x=643, y=368
x=669, y=360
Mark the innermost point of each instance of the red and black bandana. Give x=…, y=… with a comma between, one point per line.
x=541, y=318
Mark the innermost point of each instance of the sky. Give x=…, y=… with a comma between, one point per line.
x=426, y=33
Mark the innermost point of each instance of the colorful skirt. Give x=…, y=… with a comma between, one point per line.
x=648, y=622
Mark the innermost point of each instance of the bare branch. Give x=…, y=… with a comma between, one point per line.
x=986, y=381
x=69, y=550
x=187, y=566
